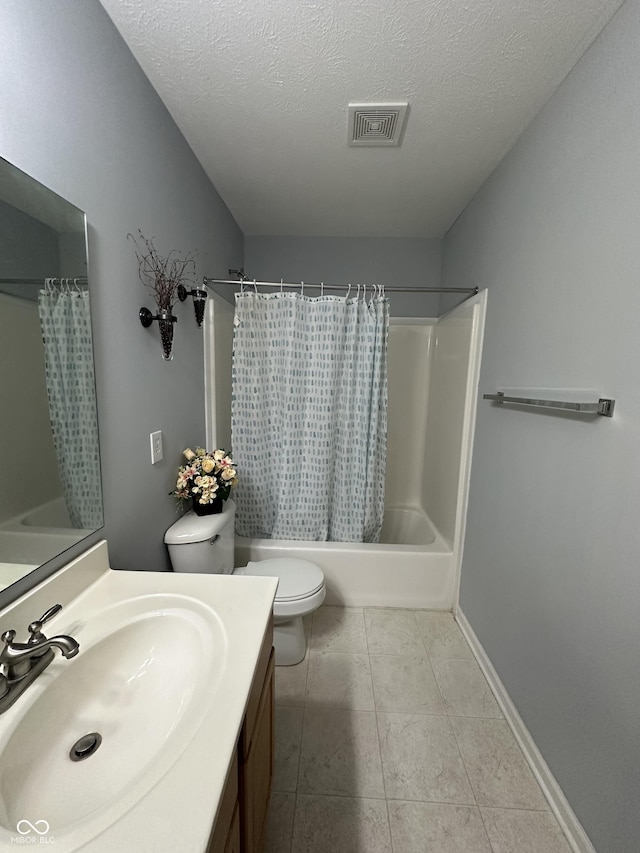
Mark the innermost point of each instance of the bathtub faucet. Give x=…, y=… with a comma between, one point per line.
x=22, y=663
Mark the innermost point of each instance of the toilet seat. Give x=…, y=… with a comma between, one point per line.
x=300, y=584
x=297, y=579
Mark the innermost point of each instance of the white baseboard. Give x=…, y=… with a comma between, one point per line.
x=571, y=826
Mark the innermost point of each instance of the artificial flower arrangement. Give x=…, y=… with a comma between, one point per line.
x=206, y=478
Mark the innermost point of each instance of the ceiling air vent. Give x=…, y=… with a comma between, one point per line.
x=377, y=124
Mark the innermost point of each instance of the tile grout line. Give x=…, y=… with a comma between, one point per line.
x=464, y=764
x=304, y=708
x=375, y=710
x=448, y=715
x=304, y=714
x=433, y=673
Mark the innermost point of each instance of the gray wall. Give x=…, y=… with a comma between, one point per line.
x=551, y=573
x=340, y=260
x=28, y=249
x=79, y=116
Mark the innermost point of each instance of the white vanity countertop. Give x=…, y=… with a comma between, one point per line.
x=179, y=810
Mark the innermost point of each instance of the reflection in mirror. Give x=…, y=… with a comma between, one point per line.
x=50, y=489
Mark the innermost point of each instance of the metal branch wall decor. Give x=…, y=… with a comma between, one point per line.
x=163, y=276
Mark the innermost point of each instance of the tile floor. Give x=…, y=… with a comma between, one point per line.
x=389, y=740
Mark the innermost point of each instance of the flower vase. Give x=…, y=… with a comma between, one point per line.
x=198, y=306
x=216, y=506
x=165, y=322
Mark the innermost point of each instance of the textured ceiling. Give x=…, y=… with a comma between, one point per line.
x=261, y=89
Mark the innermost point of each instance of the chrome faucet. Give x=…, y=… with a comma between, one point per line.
x=22, y=663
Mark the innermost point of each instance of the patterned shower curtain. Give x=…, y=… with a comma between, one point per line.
x=309, y=416
x=68, y=356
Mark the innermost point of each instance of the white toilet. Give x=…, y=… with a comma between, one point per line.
x=206, y=544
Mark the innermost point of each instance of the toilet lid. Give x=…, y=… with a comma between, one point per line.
x=296, y=578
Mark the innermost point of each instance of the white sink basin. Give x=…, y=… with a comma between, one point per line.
x=165, y=667
x=146, y=671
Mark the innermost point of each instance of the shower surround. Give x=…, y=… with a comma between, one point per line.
x=433, y=368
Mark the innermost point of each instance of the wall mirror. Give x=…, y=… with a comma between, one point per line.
x=50, y=487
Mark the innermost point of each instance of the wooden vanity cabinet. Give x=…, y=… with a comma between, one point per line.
x=226, y=832
x=243, y=808
x=255, y=765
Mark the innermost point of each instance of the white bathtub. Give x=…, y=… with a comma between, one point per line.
x=412, y=566
x=404, y=525
x=23, y=550
x=48, y=519
x=53, y=514
x=31, y=538
x=12, y=572
x=34, y=547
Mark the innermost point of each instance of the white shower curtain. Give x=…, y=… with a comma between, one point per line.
x=309, y=416
x=68, y=355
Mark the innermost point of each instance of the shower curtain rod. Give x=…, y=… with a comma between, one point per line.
x=394, y=288
x=41, y=281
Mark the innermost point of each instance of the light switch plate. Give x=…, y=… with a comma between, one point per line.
x=156, y=446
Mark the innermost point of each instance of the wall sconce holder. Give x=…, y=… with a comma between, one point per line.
x=165, y=323
x=199, y=297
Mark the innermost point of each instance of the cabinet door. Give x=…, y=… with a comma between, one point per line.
x=256, y=770
x=233, y=839
x=255, y=696
x=227, y=815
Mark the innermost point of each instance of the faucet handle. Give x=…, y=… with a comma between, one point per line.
x=35, y=628
x=8, y=637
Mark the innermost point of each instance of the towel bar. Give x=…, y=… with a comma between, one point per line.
x=603, y=407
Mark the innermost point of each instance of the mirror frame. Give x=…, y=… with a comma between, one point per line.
x=36, y=197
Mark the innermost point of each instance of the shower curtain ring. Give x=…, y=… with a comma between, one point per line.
x=280, y=287
x=302, y=288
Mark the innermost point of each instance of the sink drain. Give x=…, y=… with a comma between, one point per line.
x=85, y=746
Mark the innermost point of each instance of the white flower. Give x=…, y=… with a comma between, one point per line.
x=204, y=475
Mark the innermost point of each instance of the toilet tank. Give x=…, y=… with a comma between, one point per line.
x=203, y=543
